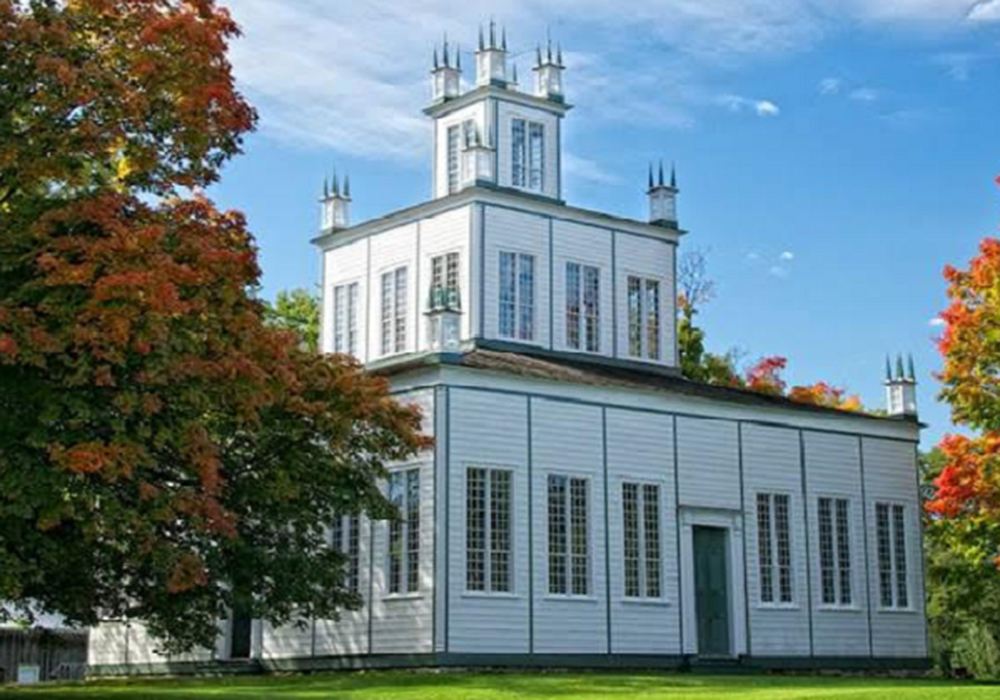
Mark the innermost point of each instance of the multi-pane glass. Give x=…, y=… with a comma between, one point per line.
x=517, y=296
x=651, y=533
x=783, y=535
x=899, y=542
x=488, y=523
x=558, y=536
x=404, y=532
x=643, y=318
x=526, y=297
x=444, y=279
x=592, y=308
x=580, y=535
x=835, y=551
x=345, y=538
x=885, y=571
x=528, y=154
x=583, y=307
x=518, y=152
x=635, y=316
x=573, y=305
x=454, y=158
x=475, y=530
x=345, y=318
x=394, y=310
x=641, y=527
x=765, y=557
x=844, y=551
x=774, y=548
x=501, y=575
x=630, y=515
x=536, y=157
x=413, y=529
x=569, y=536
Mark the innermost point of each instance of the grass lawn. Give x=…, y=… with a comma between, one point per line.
x=519, y=686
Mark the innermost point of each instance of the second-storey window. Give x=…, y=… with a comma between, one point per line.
x=444, y=278
x=583, y=307
x=345, y=538
x=454, y=158
x=569, y=533
x=890, y=522
x=517, y=296
x=488, y=530
x=404, y=532
x=528, y=155
x=394, y=297
x=345, y=318
x=835, y=550
x=641, y=515
x=644, y=318
x=774, y=548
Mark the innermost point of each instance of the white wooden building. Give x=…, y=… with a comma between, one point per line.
x=584, y=504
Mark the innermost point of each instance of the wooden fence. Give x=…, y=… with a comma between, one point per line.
x=58, y=654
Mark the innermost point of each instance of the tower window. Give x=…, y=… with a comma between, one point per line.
x=644, y=318
x=641, y=515
x=454, y=162
x=583, y=307
x=394, y=303
x=528, y=155
x=345, y=318
x=517, y=296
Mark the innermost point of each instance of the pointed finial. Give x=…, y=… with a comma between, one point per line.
x=673, y=176
x=660, y=183
x=899, y=367
x=548, y=54
x=436, y=64
x=650, y=176
x=347, y=186
x=326, y=187
x=503, y=40
x=538, y=57
x=493, y=34
x=482, y=41
x=888, y=369
x=458, y=57
x=447, y=58
x=514, y=74
x=336, y=184
x=559, y=61
x=911, y=371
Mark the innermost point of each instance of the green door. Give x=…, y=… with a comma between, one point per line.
x=711, y=585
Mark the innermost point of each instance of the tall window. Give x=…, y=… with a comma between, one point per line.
x=774, y=548
x=345, y=318
x=641, y=515
x=583, y=307
x=890, y=521
x=394, y=298
x=517, y=296
x=569, y=547
x=644, y=318
x=488, y=530
x=404, y=532
x=528, y=154
x=454, y=158
x=344, y=538
x=444, y=278
x=835, y=551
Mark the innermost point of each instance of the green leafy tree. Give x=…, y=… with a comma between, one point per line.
x=298, y=311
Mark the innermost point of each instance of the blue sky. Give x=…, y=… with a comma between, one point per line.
x=833, y=156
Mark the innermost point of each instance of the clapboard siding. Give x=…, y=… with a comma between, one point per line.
x=567, y=439
x=585, y=245
x=349, y=634
x=709, y=467
x=107, y=644
x=640, y=450
x=890, y=476
x=516, y=232
x=487, y=431
x=833, y=469
x=446, y=233
x=649, y=259
x=771, y=464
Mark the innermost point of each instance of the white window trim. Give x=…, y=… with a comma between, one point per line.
x=644, y=278
x=591, y=596
x=777, y=603
x=535, y=316
x=581, y=322
x=405, y=535
x=851, y=542
x=644, y=599
x=393, y=270
x=894, y=608
x=488, y=591
x=526, y=162
x=358, y=317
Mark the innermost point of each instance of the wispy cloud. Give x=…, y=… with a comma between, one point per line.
x=985, y=11
x=865, y=94
x=830, y=86
x=352, y=77
x=586, y=169
x=958, y=65
x=936, y=322
x=762, y=108
x=778, y=271
x=787, y=256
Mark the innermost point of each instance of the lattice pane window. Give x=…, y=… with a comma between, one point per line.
x=404, y=532
x=579, y=540
x=573, y=305
x=890, y=523
x=518, y=152
x=536, y=157
x=592, y=308
x=835, y=551
x=444, y=279
x=641, y=527
x=508, y=295
x=644, y=318
x=651, y=534
x=635, y=317
x=394, y=310
x=488, y=536
x=345, y=318
x=526, y=297
x=583, y=307
x=517, y=296
x=774, y=548
x=345, y=538
x=454, y=158
x=558, y=536
x=569, y=535
x=632, y=552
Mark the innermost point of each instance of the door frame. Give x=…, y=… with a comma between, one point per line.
x=732, y=521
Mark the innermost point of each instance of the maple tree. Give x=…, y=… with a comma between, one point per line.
x=966, y=504
x=164, y=451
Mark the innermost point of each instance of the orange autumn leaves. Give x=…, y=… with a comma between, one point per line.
x=765, y=378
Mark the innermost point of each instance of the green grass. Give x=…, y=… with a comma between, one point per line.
x=518, y=686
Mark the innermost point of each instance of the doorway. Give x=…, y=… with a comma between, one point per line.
x=711, y=577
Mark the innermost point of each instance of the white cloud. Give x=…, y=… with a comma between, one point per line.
x=985, y=11
x=958, y=65
x=829, y=86
x=787, y=256
x=778, y=271
x=936, y=322
x=736, y=103
x=586, y=169
x=753, y=257
x=865, y=94
x=352, y=77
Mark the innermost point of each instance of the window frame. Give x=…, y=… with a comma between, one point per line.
x=642, y=541
x=347, y=529
x=450, y=277
x=527, y=165
x=525, y=327
x=773, y=571
x=568, y=550
x=489, y=587
x=838, y=542
x=346, y=299
x=407, y=583
x=394, y=310
x=641, y=329
x=898, y=538
x=582, y=317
